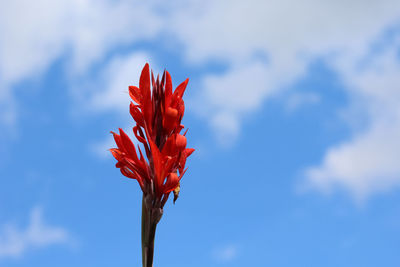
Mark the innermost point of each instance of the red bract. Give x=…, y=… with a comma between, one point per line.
x=157, y=111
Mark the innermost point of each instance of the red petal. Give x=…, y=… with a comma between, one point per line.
x=181, y=108
x=144, y=85
x=134, y=93
x=182, y=161
x=136, y=114
x=189, y=151
x=118, y=141
x=128, y=173
x=116, y=153
x=168, y=148
x=144, y=81
x=135, y=167
x=140, y=138
x=170, y=163
x=168, y=90
x=141, y=155
x=163, y=79
x=128, y=145
x=152, y=78
x=181, y=89
x=157, y=161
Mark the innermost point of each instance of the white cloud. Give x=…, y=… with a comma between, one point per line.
x=369, y=162
x=111, y=88
x=35, y=34
x=94, y=35
x=229, y=97
x=281, y=29
x=239, y=89
x=226, y=253
x=15, y=242
x=226, y=127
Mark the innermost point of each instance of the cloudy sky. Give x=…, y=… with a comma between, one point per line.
x=293, y=108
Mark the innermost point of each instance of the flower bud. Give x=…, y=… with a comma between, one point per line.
x=171, y=183
x=180, y=142
x=170, y=118
x=173, y=177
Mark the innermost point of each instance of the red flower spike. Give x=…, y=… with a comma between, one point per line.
x=157, y=111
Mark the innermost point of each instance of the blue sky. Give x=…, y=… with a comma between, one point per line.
x=293, y=110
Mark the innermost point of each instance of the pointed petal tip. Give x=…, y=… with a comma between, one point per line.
x=189, y=151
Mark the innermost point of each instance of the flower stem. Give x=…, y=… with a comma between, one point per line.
x=149, y=225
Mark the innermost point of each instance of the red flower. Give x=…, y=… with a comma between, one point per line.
x=157, y=111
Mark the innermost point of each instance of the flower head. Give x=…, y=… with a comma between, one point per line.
x=157, y=111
